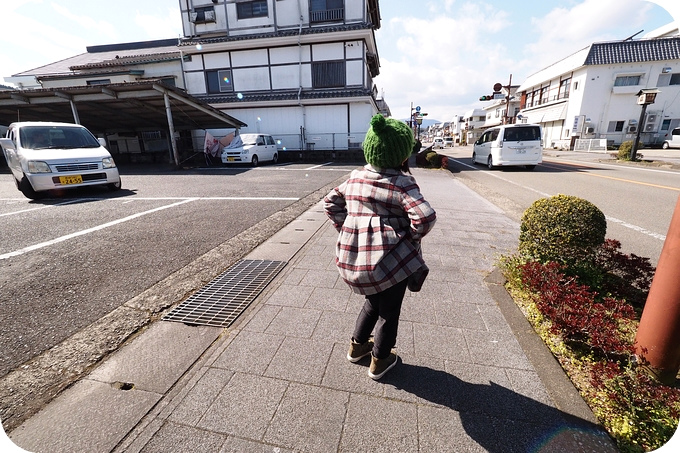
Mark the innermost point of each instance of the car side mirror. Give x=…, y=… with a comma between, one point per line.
x=102, y=141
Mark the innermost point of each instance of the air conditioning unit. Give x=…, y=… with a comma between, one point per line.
x=193, y=16
x=590, y=130
x=651, y=118
x=210, y=16
x=632, y=129
x=650, y=127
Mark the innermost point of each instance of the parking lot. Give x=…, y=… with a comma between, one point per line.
x=72, y=258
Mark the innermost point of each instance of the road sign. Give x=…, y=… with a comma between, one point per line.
x=498, y=96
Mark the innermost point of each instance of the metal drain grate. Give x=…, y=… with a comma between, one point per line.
x=222, y=300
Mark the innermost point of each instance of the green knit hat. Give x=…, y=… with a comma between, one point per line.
x=388, y=142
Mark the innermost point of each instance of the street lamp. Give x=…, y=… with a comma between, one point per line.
x=419, y=119
x=645, y=97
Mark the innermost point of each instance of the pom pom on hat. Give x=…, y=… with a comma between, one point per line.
x=388, y=142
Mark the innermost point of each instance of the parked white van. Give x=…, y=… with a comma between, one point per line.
x=509, y=145
x=45, y=156
x=672, y=140
x=250, y=149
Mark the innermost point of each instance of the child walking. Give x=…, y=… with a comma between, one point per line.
x=381, y=217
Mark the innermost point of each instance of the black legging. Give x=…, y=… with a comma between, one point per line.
x=381, y=311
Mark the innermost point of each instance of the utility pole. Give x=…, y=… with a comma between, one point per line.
x=507, y=101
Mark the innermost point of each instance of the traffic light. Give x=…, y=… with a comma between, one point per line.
x=486, y=98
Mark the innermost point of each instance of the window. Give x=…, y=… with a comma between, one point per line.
x=544, y=95
x=675, y=79
x=563, y=93
x=328, y=74
x=98, y=82
x=203, y=14
x=615, y=126
x=219, y=81
x=248, y=10
x=665, y=125
x=627, y=81
x=326, y=10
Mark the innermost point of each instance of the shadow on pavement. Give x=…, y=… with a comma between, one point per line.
x=500, y=419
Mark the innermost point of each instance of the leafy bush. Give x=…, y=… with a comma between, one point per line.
x=624, y=276
x=586, y=307
x=421, y=159
x=562, y=228
x=434, y=159
x=624, y=150
x=642, y=413
x=431, y=159
x=575, y=313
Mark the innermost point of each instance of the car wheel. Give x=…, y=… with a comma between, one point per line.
x=665, y=145
x=115, y=185
x=27, y=189
x=530, y=167
x=275, y=159
x=254, y=160
x=489, y=162
x=474, y=158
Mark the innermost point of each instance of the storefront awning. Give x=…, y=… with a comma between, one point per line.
x=546, y=114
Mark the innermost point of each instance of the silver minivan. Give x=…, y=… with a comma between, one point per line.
x=46, y=156
x=509, y=145
x=672, y=139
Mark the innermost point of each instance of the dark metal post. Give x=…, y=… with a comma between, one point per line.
x=633, y=151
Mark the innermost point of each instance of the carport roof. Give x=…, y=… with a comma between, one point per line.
x=121, y=107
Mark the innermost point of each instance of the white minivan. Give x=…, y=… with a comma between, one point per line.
x=509, y=145
x=45, y=156
x=250, y=149
x=672, y=141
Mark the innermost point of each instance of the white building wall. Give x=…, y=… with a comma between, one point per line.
x=596, y=107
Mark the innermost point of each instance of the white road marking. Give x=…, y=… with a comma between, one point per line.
x=90, y=230
x=46, y=206
x=181, y=201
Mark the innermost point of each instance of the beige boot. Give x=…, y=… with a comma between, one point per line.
x=379, y=367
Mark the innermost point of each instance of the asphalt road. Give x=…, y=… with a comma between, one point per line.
x=638, y=199
x=69, y=260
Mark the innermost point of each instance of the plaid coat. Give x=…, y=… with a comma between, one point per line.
x=381, y=217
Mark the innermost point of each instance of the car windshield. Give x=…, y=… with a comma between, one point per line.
x=249, y=139
x=518, y=134
x=56, y=137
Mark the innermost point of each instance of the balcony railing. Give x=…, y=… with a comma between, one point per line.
x=327, y=15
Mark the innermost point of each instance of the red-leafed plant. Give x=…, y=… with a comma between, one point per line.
x=584, y=297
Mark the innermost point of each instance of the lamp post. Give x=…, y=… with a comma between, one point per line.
x=645, y=97
x=419, y=120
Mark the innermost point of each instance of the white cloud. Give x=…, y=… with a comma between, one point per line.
x=564, y=31
x=99, y=26
x=161, y=26
x=445, y=62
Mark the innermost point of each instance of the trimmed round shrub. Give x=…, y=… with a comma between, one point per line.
x=562, y=228
x=434, y=159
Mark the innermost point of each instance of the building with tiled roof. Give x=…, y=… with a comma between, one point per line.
x=592, y=94
x=301, y=71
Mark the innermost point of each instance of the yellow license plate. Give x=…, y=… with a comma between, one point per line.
x=230, y=159
x=76, y=179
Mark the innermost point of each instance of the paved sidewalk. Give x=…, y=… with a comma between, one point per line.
x=473, y=376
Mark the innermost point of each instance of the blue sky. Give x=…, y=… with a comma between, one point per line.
x=438, y=54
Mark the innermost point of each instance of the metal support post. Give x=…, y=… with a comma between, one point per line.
x=171, y=128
